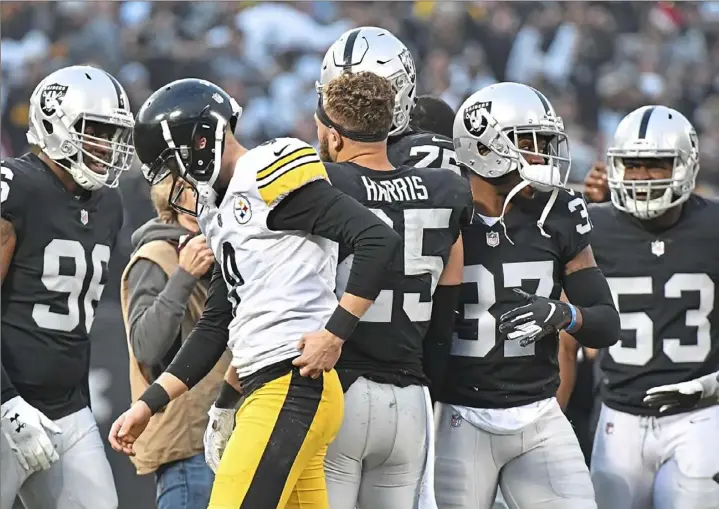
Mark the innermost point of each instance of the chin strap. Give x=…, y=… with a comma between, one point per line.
x=542, y=218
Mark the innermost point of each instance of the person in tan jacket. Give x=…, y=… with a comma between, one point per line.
x=164, y=288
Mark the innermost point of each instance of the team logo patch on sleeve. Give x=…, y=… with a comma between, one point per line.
x=51, y=98
x=243, y=211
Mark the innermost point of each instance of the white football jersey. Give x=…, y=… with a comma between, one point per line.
x=281, y=283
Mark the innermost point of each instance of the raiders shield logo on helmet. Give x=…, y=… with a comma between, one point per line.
x=474, y=121
x=406, y=58
x=51, y=98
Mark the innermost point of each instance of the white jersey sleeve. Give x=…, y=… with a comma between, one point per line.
x=291, y=164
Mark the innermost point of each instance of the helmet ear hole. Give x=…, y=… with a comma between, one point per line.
x=48, y=127
x=482, y=149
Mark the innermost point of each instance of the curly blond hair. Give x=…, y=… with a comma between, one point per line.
x=361, y=102
x=160, y=195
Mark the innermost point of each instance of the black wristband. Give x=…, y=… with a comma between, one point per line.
x=227, y=397
x=342, y=323
x=155, y=397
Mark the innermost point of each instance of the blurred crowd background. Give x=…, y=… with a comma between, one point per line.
x=596, y=61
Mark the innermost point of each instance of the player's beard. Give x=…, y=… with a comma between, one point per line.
x=325, y=149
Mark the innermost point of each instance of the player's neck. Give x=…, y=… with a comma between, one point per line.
x=665, y=221
x=486, y=199
x=233, y=152
x=61, y=174
x=372, y=156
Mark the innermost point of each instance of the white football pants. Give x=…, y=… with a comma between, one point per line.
x=539, y=467
x=80, y=479
x=660, y=462
x=377, y=459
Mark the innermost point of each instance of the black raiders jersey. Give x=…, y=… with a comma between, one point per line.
x=422, y=150
x=665, y=288
x=486, y=371
x=427, y=208
x=54, y=282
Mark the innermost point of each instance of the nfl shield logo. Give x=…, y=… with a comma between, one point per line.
x=84, y=217
x=492, y=239
x=456, y=420
x=658, y=248
x=243, y=212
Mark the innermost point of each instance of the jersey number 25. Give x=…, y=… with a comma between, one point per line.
x=416, y=221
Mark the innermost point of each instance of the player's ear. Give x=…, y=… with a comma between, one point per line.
x=336, y=141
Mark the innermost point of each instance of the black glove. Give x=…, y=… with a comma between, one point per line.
x=532, y=321
x=672, y=400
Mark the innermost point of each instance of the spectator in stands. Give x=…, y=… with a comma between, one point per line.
x=164, y=288
x=434, y=115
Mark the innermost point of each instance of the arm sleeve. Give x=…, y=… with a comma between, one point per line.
x=323, y=210
x=157, y=307
x=204, y=346
x=8, y=389
x=589, y=291
x=438, y=339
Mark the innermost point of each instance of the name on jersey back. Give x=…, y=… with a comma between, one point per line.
x=407, y=188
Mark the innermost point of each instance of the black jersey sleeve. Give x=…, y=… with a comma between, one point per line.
x=464, y=208
x=207, y=341
x=8, y=389
x=573, y=225
x=15, y=193
x=321, y=209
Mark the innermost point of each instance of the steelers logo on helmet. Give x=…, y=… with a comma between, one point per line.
x=474, y=120
x=243, y=211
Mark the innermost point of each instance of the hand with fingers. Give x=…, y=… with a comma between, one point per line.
x=28, y=433
x=684, y=395
x=196, y=257
x=534, y=320
x=596, y=187
x=128, y=427
x=320, y=352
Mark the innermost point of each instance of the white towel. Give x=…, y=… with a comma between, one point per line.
x=426, y=490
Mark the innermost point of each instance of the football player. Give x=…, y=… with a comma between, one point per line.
x=60, y=221
x=433, y=114
x=272, y=220
x=499, y=422
x=658, y=245
x=379, y=462
x=377, y=50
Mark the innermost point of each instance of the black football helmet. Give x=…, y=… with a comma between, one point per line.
x=180, y=130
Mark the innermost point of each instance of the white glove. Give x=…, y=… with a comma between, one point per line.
x=26, y=429
x=218, y=432
x=685, y=395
